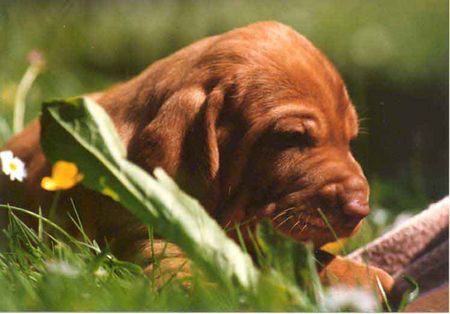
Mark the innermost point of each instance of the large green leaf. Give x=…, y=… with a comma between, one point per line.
x=80, y=131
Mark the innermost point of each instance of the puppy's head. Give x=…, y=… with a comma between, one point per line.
x=289, y=158
x=255, y=123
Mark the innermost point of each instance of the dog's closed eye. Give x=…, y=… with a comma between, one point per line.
x=295, y=132
x=289, y=138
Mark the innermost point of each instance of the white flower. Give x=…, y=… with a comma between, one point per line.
x=344, y=298
x=12, y=166
x=5, y=156
x=380, y=216
x=62, y=268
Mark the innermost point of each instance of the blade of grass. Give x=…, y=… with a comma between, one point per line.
x=40, y=225
x=410, y=295
x=5, y=131
x=50, y=223
x=22, y=91
x=325, y=219
x=153, y=258
x=53, y=206
x=78, y=224
x=173, y=276
x=259, y=254
x=241, y=239
x=383, y=295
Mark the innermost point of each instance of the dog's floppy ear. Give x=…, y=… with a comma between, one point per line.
x=182, y=139
x=201, y=161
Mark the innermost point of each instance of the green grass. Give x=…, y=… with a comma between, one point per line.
x=60, y=273
x=48, y=270
x=64, y=275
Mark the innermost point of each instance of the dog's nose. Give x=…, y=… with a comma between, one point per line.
x=354, y=197
x=350, y=196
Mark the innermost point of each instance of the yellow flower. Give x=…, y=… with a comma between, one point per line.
x=334, y=247
x=65, y=175
x=337, y=247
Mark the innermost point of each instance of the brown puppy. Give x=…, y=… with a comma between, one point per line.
x=254, y=123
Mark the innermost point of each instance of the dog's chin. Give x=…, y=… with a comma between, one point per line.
x=319, y=236
x=314, y=226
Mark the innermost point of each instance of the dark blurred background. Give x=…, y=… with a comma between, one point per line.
x=393, y=55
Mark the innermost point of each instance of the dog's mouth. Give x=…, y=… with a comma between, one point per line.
x=301, y=215
x=311, y=223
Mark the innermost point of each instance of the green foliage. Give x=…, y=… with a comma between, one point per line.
x=295, y=260
x=65, y=274
x=389, y=194
x=5, y=131
x=410, y=294
x=91, y=141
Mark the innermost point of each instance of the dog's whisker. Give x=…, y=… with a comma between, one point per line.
x=284, y=221
x=303, y=228
x=306, y=223
x=290, y=208
x=295, y=225
x=279, y=215
x=283, y=212
x=248, y=221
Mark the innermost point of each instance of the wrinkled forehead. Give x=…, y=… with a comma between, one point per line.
x=286, y=68
x=299, y=69
x=333, y=115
